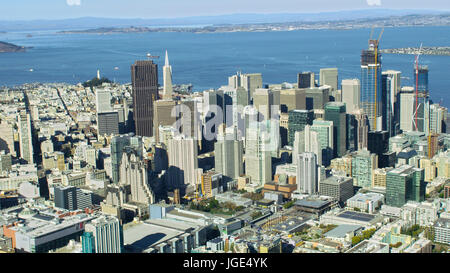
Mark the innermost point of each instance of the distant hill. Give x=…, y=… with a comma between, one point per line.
x=247, y=18
x=7, y=47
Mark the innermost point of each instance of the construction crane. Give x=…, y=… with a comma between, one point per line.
x=375, y=44
x=416, y=62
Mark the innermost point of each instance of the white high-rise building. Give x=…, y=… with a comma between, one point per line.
x=312, y=143
x=103, y=101
x=307, y=178
x=106, y=235
x=351, y=90
x=258, y=160
x=229, y=154
x=25, y=137
x=183, y=161
x=167, y=77
x=407, y=100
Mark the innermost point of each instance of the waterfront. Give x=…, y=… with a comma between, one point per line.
x=206, y=60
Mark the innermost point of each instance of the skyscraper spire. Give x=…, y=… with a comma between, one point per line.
x=167, y=59
x=167, y=75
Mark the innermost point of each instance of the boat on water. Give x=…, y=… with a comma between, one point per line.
x=31, y=70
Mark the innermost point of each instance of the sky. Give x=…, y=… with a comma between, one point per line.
x=62, y=9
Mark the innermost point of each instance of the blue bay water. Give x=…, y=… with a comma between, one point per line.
x=206, y=60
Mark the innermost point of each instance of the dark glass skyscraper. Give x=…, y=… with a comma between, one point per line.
x=298, y=119
x=144, y=79
x=335, y=112
x=371, y=85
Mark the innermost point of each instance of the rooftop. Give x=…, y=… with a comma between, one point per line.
x=342, y=230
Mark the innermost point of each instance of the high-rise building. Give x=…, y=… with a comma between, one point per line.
x=438, y=116
x=25, y=137
x=163, y=115
x=263, y=101
x=407, y=100
x=317, y=97
x=371, y=85
x=351, y=90
x=298, y=119
x=183, y=161
x=108, y=123
x=103, y=100
x=118, y=144
x=312, y=144
x=134, y=172
x=329, y=76
x=335, y=112
x=167, y=77
x=363, y=164
x=72, y=198
x=292, y=99
x=103, y=235
x=305, y=80
x=229, y=154
x=361, y=130
x=422, y=103
x=391, y=85
x=403, y=184
x=324, y=129
x=339, y=187
x=378, y=142
x=307, y=178
x=250, y=82
x=7, y=137
x=144, y=79
x=258, y=150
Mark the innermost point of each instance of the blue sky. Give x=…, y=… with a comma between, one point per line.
x=59, y=9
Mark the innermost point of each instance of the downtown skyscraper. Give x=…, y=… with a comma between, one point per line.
x=144, y=79
x=371, y=85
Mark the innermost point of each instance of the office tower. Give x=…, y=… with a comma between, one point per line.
x=312, y=144
x=108, y=123
x=305, y=80
x=144, y=79
x=407, y=100
x=167, y=77
x=351, y=90
x=292, y=99
x=235, y=80
x=25, y=137
x=103, y=235
x=307, y=181
x=5, y=162
x=225, y=101
x=379, y=177
x=72, y=198
x=163, y=115
x=324, y=129
x=391, y=84
x=251, y=82
x=134, y=172
x=211, y=184
x=103, y=100
x=329, y=76
x=183, y=161
x=118, y=144
x=422, y=103
x=263, y=101
x=378, y=142
x=228, y=155
x=338, y=187
x=298, y=119
x=371, y=85
x=298, y=146
x=188, y=119
x=363, y=164
x=438, y=115
x=258, y=160
x=335, y=112
x=403, y=184
x=317, y=97
x=7, y=138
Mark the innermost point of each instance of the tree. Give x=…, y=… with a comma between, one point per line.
x=356, y=240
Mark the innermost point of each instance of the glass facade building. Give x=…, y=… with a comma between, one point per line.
x=298, y=119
